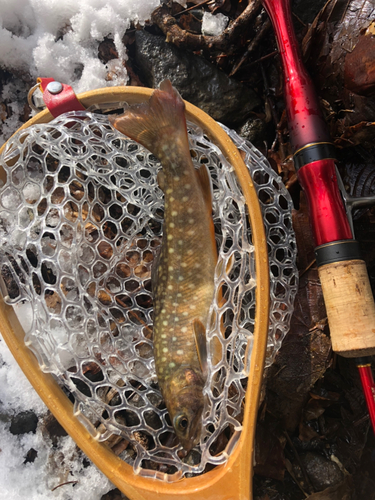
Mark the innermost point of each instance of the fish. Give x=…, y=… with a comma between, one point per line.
x=183, y=276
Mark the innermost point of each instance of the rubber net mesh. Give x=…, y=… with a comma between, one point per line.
x=81, y=220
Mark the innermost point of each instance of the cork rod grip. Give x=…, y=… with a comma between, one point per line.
x=350, y=307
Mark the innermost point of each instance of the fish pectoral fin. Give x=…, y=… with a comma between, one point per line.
x=161, y=180
x=201, y=344
x=206, y=185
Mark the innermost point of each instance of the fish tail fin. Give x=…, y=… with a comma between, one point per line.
x=150, y=123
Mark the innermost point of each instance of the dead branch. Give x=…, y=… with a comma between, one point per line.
x=252, y=45
x=182, y=38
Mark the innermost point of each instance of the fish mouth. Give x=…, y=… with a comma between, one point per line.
x=188, y=442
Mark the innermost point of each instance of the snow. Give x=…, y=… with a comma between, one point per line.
x=57, y=39
x=54, y=465
x=60, y=40
x=214, y=24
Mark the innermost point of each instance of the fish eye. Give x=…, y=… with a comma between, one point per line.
x=182, y=423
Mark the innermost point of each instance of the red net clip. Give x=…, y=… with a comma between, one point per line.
x=59, y=97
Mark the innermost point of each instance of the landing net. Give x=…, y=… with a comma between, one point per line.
x=81, y=221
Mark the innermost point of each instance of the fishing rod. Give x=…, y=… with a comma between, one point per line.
x=342, y=271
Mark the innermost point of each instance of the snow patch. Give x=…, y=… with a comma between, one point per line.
x=214, y=24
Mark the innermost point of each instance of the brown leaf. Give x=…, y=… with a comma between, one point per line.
x=359, y=71
x=343, y=74
x=307, y=433
x=315, y=408
x=302, y=228
x=269, y=451
x=362, y=133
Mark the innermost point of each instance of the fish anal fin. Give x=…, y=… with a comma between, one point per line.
x=201, y=344
x=204, y=178
x=154, y=271
x=152, y=122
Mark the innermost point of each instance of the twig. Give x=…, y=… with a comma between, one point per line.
x=305, y=476
x=253, y=44
x=193, y=7
x=63, y=484
x=274, y=116
x=299, y=19
x=307, y=268
x=182, y=38
x=289, y=468
x=263, y=58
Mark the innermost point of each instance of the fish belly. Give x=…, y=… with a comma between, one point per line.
x=184, y=280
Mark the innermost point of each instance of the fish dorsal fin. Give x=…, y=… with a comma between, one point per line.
x=163, y=114
x=201, y=344
x=204, y=178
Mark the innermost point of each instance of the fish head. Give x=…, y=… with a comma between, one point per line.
x=186, y=408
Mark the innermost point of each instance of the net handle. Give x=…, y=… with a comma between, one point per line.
x=232, y=480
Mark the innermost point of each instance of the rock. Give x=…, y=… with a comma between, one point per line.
x=254, y=130
x=342, y=491
x=114, y=495
x=323, y=473
x=24, y=422
x=197, y=80
x=52, y=429
x=30, y=456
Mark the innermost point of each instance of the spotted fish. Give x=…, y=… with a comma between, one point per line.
x=183, y=276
